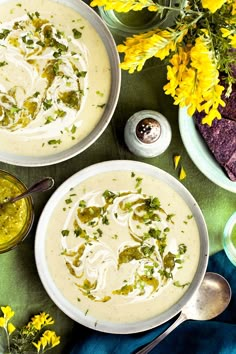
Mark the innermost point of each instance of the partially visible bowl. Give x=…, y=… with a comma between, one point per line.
x=200, y=154
x=65, y=253
x=38, y=144
x=229, y=238
x=16, y=218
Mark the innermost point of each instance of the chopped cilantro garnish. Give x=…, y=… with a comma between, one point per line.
x=109, y=196
x=73, y=129
x=154, y=233
x=138, y=182
x=165, y=274
x=177, y=283
x=54, y=142
x=49, y=119
x=65, y=232
x=169, y=217
x=77, y=34
x=99, y=231
x=105, y=220
x=3, y=63
x=14, y=109
x=100, y=93
x=147, y=251
x=82, y=204
x=182, y=248
x=47, y=104
x=81, y=73
x=4, y=33
x=60, y=113
x=101, y=105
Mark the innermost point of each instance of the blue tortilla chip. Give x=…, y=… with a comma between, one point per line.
x=221, y=140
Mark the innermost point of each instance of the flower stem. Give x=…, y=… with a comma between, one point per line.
x=8, y=341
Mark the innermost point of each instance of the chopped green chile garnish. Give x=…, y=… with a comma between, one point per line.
x=129, y=254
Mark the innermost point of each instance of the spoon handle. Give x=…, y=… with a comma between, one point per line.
x=182, y=317
x=40, y=186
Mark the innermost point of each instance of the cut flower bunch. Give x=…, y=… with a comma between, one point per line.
x=32, y=338
x=200, y=49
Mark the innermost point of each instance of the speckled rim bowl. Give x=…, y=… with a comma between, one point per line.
x=200, y=154
x=30, y=213
x=41, y=259
x=90, y=15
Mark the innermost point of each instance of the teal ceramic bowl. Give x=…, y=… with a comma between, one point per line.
x=200, y=154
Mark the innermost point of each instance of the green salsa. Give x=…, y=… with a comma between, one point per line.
x=12, y=215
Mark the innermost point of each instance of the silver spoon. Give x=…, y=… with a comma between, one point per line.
x=40, y=186
x=211, y=299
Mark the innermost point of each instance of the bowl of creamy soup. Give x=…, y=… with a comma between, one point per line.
x=121, y=246
x=59, y=80
x=16, y=218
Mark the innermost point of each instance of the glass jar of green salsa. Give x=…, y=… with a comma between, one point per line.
x=229, y=238
x=135, y=22
x=16, y=218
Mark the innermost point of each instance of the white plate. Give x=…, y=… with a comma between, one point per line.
x=46, y=216
x=200, y=154
x=93, y=18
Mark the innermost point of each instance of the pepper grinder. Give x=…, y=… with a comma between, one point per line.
x=147, y=133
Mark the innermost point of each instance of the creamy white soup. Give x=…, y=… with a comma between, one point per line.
x=54, y=77
x=122, y=246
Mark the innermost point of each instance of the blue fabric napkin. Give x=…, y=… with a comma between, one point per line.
x=217, y=336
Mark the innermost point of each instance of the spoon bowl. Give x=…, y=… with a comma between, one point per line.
x=200, y=306
x=40, y=186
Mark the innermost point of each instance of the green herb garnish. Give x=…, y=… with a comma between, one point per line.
x=54, y=142
x=3, y=63
x=65, y=232
x=77, y=34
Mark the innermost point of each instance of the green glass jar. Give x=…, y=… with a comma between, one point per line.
x=134, y=22
x=16, y=218
x=229, y=239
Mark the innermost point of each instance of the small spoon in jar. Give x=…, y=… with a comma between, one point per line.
x=210, y=300
x=40, y=186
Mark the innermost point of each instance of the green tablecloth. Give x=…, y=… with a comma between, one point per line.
x=20, y=286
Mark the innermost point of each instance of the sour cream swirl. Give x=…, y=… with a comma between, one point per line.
x=124, y=233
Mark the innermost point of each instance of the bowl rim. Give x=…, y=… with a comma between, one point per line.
x=44, y=273
x=30, y=219
x=228, y=245
x=116, y=25
x=91, y=16
x=200, y=154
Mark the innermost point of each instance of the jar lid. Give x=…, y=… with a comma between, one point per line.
x=147, y=133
